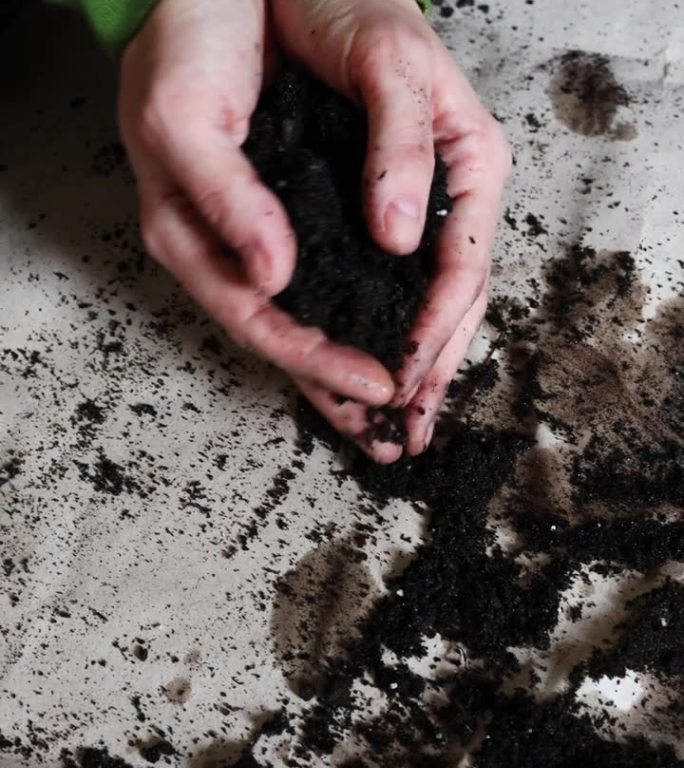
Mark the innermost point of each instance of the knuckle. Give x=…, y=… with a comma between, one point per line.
x=430, y=319
x=420, y=152
x=487, y=149
x=438, y=382
x=408, y=153
x=479, y=279
x=498, y=146
x=466, y=282
x=215, y=208
x=504, y=151
x=237, y=333
x=347, y=423
x=302, y=350
x=152, y=234
x=160, y=111
x=238, y=324
x=235, y=123
x=221, y=208
x=391, y=43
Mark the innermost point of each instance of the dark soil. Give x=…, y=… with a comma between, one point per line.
x=92, y=758
x=309, y=145
x=154, y=750
x=650, y=640
x=557, y=362
x=585, y=93
x=461, y=586
x=539, y=735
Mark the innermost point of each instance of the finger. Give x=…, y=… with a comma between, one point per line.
x=380, y=53
x=178, y=237
x=393, y=75
x=476, y=180
x=225, y=189
x=349, y=419
x=424, y=406
x=196, y=116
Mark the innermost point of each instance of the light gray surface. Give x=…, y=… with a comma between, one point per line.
x=149, y=564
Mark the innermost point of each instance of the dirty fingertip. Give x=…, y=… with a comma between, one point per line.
x=429, y=435
x=373, y=387
x=385, y=453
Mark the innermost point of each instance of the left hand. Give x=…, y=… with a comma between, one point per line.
x=383, y=54
x=190, y=80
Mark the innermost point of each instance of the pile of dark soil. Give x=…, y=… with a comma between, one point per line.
x=650, y=640
x=539, y=735
x=462, y=587
x=309, y=145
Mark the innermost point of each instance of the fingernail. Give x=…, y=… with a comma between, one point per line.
x=402, y=222
x=429, y=434
x=405, y=208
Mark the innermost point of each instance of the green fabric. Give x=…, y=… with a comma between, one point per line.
x=114, y=21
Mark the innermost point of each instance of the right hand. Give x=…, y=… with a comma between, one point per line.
x=190, y=81
x=384, y=54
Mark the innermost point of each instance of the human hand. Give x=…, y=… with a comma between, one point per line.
x=190, y=81
x=382, y=54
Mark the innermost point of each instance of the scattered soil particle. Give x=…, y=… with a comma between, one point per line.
x=179, y=690
x=140, y=409
x=107, y=476
x=155, y=749
x=108, y=159
x=10, y=468
x=90, y=411
x=479, y=378
x=140, y=652
x=88, y=416
x=535, y=227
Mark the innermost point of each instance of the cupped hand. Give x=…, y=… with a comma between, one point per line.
x=383, y=54
x=190, y=81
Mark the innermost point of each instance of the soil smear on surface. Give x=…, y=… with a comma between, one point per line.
x=586, y=95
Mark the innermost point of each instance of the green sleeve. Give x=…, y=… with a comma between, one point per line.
x=114, y=21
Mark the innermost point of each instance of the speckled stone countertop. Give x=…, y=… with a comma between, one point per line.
x=152, y=488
